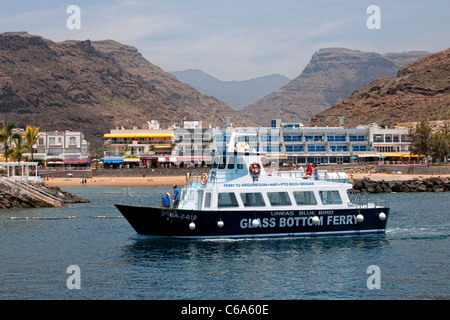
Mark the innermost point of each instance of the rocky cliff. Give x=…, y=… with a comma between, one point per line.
x=93, y=87
x=420, y=90
x=330, y=77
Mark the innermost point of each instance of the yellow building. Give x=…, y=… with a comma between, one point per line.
x=144, y=147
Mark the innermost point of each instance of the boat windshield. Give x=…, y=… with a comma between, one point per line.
x=219, y=163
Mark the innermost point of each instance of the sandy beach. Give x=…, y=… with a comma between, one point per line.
x=180, y=180
x=118, y=181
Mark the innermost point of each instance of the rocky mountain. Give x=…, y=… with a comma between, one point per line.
x=237, y=94
x=330, y=77
x=421, y=90
x=93, y=87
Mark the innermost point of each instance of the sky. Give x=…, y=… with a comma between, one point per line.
x=237, y=39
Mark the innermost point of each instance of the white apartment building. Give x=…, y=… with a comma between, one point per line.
x=61, y=148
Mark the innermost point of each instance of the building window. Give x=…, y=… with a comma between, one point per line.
x=314, y=138
x=342, y=148
x=72, y=141
x=270, y=138
x=359, y=148
x=292, y=138
x=357, y=138
x=378, y=138
x=316, y=148
x=295, y=148
x=336, y=138
x=271, y=148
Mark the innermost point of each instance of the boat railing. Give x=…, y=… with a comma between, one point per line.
x=323, y=175
x=363, y=201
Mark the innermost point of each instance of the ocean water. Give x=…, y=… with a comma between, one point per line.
x=411, y=259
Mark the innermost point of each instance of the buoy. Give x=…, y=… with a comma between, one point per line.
x=255, y=223
x=359, y=218
x=315, y=220
x=382, y=216
x=192, y=226
x=220, y=223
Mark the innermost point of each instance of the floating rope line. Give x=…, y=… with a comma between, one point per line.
x=62, y=218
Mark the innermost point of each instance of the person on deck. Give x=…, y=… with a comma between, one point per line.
x=176, y=196
x=309, y=171
x=165, y=201
x=316, y=171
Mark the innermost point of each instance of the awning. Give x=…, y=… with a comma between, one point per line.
x=54, y=162
x=131, y=159
x=368, y=155
x=194, y=158
x=162, y=146
x=75, y=161
x=391, y=155
x=410, y=156
x=138, y=135
x=112, y=159
x=167, y=159
x=276, y=156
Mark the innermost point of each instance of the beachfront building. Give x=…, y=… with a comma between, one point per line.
x=61, y=148
x=146, y=146
x=192, y=144
x=293, y=143
x=339, y=145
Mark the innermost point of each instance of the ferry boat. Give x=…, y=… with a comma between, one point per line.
x=239, y=198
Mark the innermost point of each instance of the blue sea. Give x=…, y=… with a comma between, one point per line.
x=411, y=261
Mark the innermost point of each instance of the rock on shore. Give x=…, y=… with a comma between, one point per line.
x=367, y=185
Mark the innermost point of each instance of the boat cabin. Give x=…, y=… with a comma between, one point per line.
x=238, y=181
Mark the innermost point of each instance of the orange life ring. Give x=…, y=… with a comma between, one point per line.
x=204, y=180
x=255, y=168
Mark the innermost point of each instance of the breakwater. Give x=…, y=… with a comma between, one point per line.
x=34, y=195
x=435, y=184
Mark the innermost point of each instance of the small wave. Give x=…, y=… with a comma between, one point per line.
x=411, y=233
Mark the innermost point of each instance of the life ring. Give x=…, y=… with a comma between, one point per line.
x=255, y=168
x=204, y=179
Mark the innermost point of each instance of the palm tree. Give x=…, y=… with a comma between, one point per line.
x=19, y=148
x=6, y=135
x=31, y=137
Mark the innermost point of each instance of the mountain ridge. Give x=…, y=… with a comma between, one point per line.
x=237, y=94
x=419, y=91
x=331, y=76
x=93, y=86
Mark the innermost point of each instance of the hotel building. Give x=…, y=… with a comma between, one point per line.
x=138, y=147
x=294, y=143
x=65, y=147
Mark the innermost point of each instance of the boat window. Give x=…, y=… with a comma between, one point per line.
x=304, y=198
x=330, y=197
x=222, y=163
x=215, y=163
x=279, y=198
x=191, y=195
x=253, y=199
x=240, y=163
x=231, y=163
x=227, y=200
x=208, y=200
